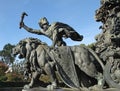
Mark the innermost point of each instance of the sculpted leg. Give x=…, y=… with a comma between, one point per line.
x=50, y=72
x=34, y=79
x=100, y=80
x=85, y=60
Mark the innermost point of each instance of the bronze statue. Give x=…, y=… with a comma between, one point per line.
x=55, y=31
x=77, y=66
x=64, y=58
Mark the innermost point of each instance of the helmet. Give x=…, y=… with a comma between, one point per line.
x=43, y=21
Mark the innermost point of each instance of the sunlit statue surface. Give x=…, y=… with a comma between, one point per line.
x=68, y=61
x=55, y=31
x=76, y=66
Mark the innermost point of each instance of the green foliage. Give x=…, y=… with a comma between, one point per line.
x=14, y=77
x=5, y=54
x=3, y=78
x=92, y=46
x=82, y=45
x=3, y=68
x=45, y=78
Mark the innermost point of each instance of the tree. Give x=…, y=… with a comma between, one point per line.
x=82, y=45
x=92, y=46
x=7, y=61
x=5, y=54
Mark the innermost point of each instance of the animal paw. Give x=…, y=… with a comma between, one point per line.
x=51, y=87
x=27, y=87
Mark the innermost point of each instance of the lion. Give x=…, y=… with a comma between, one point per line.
x=43, y=59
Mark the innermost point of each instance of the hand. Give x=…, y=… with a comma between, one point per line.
x=21, y=25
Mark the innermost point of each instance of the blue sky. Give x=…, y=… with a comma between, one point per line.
x=79, y=14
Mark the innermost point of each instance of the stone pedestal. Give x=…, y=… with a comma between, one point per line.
x=69, y=89
x=59, y=89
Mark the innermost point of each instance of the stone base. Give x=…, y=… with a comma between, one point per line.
x=69, y=89
x=59, y=89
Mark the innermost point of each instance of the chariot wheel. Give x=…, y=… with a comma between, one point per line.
x=112, y=73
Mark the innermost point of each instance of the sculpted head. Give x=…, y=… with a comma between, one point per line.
x=19, y=49
x=26, y=45
x=43, y=23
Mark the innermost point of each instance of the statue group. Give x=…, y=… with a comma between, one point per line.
x=77, y=66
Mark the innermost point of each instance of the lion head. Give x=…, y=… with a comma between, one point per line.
x=25, y=46
x=20, y=49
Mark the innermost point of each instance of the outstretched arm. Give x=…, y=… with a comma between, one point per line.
x=39, y=32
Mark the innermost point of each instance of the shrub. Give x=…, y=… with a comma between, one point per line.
x=3, y=78
x=14, y=77
x=3, y=68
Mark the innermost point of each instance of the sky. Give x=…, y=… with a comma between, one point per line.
x=79, y=14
